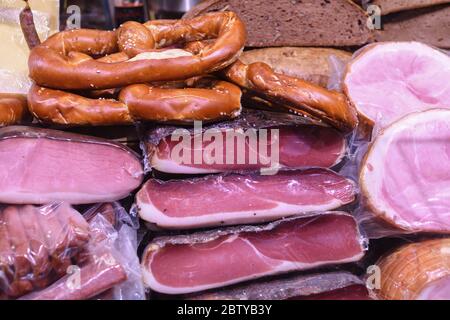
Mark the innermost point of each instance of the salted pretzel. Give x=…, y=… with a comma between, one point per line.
x=205, y=99
x=294, y=94
x=68, y=59
x=13, y=108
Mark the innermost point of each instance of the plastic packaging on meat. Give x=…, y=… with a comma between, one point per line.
x=228, y=199
x=62, y=166
x=37, y=245
x=109, y=267
x=228, y=256
x=388, y=80
x=126, y=245
x=416, y=271
x=256, y=140
x=294, y=288
x=405, y=175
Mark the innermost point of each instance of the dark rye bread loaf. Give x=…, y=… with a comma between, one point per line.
x=429, y=25
x=390, y=6
x=269, y=23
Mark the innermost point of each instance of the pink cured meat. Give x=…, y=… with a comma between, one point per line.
x=388, y=80
x=241, y=198
x=41, y=166
x=179, y=267
x=437, y=290
x=299, y=147
x=405, y=176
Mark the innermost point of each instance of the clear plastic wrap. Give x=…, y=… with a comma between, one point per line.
x=416, y=271
x=108, y=267
x=38, y=245
x=293, y=287
x=250, y=252
x=388, y=80
x=255, y=140
x=240, y=198
x=404, y=176
x=14, y=50
x=126, y=244
x=62, y=166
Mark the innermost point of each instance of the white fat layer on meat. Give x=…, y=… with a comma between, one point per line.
x=159, y=55
x=277, y=267
x=371, y=180
x=150, y=213
x=170, y=166
x=26, y=197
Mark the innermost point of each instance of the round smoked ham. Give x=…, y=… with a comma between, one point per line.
x=405, y=175
x=416, y=271
x=388, y=80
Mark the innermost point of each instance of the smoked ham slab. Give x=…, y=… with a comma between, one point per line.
x=323, y=286
x=405, y=176
x=297, y=147
x=41, y=166
x=416, y=271
x=388, y=80
x=241, y=198
x=183, y=264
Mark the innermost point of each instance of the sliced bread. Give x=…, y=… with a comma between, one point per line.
x=296, y=22
x=429, y=25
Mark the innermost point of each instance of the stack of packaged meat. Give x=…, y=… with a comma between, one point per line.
x=275, y=173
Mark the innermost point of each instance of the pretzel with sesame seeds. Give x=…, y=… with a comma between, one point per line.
x=67, y=60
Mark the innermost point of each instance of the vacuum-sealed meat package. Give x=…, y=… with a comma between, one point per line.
x=40, y=166
x=217, y=200
x=37, y=245
x=416, y=271
x=405, y=176
x=339, y=285
x=257, y=140
x=108, y=268
x=221, y=257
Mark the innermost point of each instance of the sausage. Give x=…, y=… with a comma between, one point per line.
x=56, y=240
x=28, y=27
x=38, y=252
x=201, y=99
x=20, y=245
x=95, y=278
x=7, y=260
x=19, y=241
x=50, y=66
x=75, y=227
x=13, y=108
x=299, y=96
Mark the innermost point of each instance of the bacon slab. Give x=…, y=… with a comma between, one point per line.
x=184, y=264
x=241, y=198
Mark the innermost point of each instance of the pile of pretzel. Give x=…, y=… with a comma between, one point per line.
x=174, y=71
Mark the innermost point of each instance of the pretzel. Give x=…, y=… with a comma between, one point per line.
x=13, y=108
x=200, y=99
x=294, y=94
x=67, y=61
